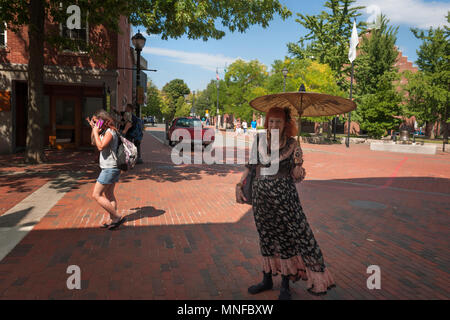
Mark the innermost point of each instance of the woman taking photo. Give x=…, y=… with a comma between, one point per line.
x=287, y=242
x=106, y=139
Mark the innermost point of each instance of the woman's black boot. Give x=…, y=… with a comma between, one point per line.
x=266, y=284
x=285, y=293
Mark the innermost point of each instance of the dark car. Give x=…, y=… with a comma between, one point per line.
x=175, y=131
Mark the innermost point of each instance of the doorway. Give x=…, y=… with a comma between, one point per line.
x=65, y=120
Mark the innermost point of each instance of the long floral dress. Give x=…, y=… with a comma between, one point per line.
x=287, y=242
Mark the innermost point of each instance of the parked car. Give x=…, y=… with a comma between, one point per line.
x=174, y=133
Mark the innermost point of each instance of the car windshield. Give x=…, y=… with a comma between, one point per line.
x=189, y=123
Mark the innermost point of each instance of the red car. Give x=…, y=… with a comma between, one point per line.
x=176, y=133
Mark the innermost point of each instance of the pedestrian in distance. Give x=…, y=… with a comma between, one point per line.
x=253, y=126
x=238, y=128
x=244, y=126
x=287, y=243
x=105, y=138
x=133, y=130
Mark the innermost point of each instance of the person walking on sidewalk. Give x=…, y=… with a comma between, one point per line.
x=244, y=126
x=106, y=139
x=253, y=126
x=133, y=130
x=287, y=242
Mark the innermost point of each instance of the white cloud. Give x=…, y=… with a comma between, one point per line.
x=414, y=13
x=204, y=60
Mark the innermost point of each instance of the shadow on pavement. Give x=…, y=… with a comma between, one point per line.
x=144, y=212
x=399, y=224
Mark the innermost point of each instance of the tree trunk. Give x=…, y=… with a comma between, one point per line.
x=329, y=129
x=433, y=130
x=35, y=142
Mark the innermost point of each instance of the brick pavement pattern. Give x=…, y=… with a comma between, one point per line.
x=186, y=238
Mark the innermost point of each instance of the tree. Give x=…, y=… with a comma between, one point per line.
x=375, y=75
x=198, y=19
x=428, y=89
x=375, y=110
x=182, y=108
x=315, y=76
x=154, y=101
x=170, y=19
x=242, y=78
x=202, y=103
x=377, y=56
x=173, y=91
x=328, y=37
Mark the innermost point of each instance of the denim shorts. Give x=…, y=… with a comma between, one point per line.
x=109, y=176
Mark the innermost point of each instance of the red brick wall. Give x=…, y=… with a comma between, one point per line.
x=18, y=52
x=17, y=47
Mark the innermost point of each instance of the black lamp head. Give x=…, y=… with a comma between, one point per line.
x=302, y=88
x=138, y=41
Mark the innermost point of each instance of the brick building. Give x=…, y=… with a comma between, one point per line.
x=75, y=85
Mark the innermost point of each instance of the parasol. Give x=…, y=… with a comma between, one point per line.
x=304, y=104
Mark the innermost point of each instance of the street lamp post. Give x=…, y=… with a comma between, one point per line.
x=285, y=72
x=217, y=122
x=138, y=41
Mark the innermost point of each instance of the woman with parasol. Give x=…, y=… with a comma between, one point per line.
x=287, y=243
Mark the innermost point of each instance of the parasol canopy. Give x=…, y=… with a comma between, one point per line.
x=305, y=104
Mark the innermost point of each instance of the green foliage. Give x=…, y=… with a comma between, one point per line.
x=174, y=90
x=428, y=89
x=198, y=19
x=315, y=76
x=375, y=111
x=211, y=96
x=154, y=101
x=202, y=103
x=182, y=108
x=328, y=35
x=244, y=81
x=377, y=97
x=377, y=56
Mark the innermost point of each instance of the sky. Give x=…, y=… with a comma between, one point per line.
x=195, y=61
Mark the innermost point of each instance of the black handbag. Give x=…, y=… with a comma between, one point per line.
x=247, y=184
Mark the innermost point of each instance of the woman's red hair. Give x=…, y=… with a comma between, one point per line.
x=290, y=128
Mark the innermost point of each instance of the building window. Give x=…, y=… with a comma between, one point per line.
x=2, y=34
x=76, y=39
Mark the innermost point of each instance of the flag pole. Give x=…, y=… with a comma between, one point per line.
x=352, y=56
x=350, y=113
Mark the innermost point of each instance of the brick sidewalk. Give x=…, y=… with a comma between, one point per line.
x=18, y=180
x=185, y=237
